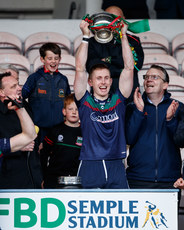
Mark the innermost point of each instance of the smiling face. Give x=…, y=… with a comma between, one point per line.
x=51, y=61
x=155, y=87
x=101, y=82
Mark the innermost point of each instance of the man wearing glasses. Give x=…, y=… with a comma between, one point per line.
x=154, y=160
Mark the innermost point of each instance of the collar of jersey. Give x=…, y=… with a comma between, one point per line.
x=47, y=71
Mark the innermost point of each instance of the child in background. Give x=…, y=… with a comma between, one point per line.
x=61, y=147
x=46, y=90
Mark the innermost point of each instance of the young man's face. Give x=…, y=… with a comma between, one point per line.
x=51, y=61
x=155, y=87
x=101, y=83
x=71, y=114
x=10, y=87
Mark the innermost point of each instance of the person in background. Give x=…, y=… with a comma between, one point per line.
x=20, y=169
x=132, y=9
x=111, y=54
x=61, y=146
x=102, y=117
x=179, y=141
x=154, y=160
x=179, y=135
x=169, y=9
x=46, y=90
x=10, y=68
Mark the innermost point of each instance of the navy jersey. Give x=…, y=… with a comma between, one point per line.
x=102, y=124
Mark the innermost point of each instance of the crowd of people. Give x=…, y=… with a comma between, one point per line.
x=87, y=134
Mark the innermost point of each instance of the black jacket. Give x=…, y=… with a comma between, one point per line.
x=132, y=9
x=20, y=170
x=179, y=135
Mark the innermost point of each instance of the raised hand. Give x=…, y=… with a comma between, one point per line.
x=84, y=26
x=138, y=101
x=171, y=110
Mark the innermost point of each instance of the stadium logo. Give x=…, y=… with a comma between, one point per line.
x=154, y=217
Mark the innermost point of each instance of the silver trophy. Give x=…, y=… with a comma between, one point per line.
x=103, y=35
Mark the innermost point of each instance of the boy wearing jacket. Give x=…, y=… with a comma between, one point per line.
x=46, y=89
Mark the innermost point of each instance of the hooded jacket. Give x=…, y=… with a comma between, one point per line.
x=153, y=154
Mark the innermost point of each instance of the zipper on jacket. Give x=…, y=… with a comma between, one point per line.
x=52, y=100
x=156, y=146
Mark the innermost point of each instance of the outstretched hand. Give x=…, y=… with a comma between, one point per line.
x=172, y=110
x=138, y=101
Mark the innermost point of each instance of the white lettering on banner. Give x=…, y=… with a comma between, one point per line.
x=105, y=118
x=65, y=210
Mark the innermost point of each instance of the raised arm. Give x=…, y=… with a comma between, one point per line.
x=126, y=76
x=80, y=83
x=28, y=130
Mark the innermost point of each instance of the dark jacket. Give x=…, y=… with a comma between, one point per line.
x=132, y=9
x=169, y=9
x=46, y=93
x=179, y=135
x=153, y=154
x=20, y=170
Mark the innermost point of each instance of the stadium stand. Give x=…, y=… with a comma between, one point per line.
x=176, y=87
x=182, y=69
x=34, y=41
x=178, y=47
x=10, y=43
x=154, y=43
x=21, y=62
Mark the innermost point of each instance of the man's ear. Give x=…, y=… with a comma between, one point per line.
x=2, y=93
x=165, y=86
x=111, y=80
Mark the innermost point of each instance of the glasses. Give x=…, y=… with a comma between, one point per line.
x=152, y=77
